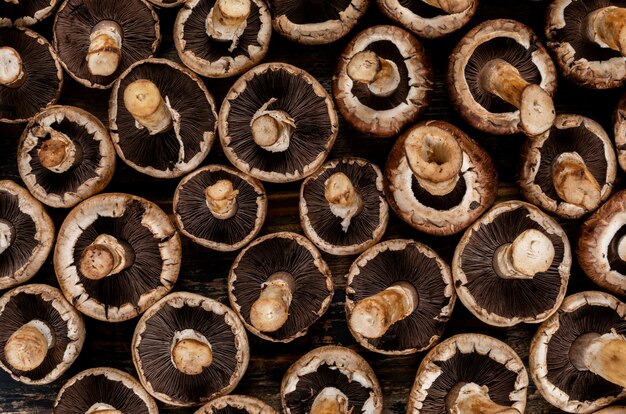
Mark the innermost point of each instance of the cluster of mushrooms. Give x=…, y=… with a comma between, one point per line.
x=118, y=256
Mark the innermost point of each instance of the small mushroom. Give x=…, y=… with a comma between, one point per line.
x=501, y=79
x=167, y=3
x=236, y=404
x=222, y=38
x=279, y=285
x=103, y=391
x=41, y=334
x=399, y=297
x=577, y=356
x=470, y=374
x=22, y=13
x=512, y=265
x=619, y=129
x=277, y=123
x=162, y=118
x=189, y=349
x=438, y=179
x=383, y=81
x=116, y=255
x=569, y=170
x=31, y=76
x=331, y=380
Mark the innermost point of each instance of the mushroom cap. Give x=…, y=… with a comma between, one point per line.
x=556, y=378
x=506, y=302
x=316, y=23
x=167, y=3
x=312, y=282
x=109, y=386
x=389, y=263
x=43, y=75
x=324, y=229
x=178, y=150
x=90, y=176
x=25, y=13
x=213, y=58
x=46, y=304
x=570, y=133
x=450, y=213
x=619, y=129
x=298, y=94
x=612, y=410
x=146, y=229
x=236, y=404
x=505, y=39
x=195, y=220
x=76, y=19
x=385, y=116
x=469, y=358
x=331, y=366
x=152, y=345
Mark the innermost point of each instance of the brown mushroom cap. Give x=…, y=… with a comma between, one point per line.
x=25, y=13
x=236, y=404
x=47, y=313
x=385, y=115
x=619, y=129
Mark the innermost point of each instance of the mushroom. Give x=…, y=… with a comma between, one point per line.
x=512, y=265
x=236, y=404
x=116, y=255
x=26, y=235
x=167, y=3
x=25, y=12
x=501, y=79
x=220, y=208
x=569, y=170
x=577, y=356
x=65, y=155
x=438, y=179
x=277, y=123
x=331, y=380
x=41, y=334
x=612, y=410
x=222, y=38
x=162, y=118
x=189, y=349
x=98, y=40
x=470, y=374
x=103, y=391
x=619, y=129
x=279, y=286
x=342, y=206
x=316, y=23
x=31, y=76
x=383, y=81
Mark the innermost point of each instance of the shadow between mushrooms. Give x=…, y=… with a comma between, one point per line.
x=23, y=13
x=236, y=404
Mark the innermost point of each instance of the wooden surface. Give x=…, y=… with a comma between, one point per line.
x=204, y=271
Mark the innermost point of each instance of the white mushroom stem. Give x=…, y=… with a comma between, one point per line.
x=536, y=108
x=330, y=400
x=191, y=352
x=27, y=347
x=102, y=408
x=574, y=183
x=344, y=200
x=450, y=6
x=143, y=100
x=58, y=153
x=272, y=129
x=271, y=310
x=530, y=253
x=607, y=28
x=7, y=235
x=221, y=198
x=105, y=256
x=105, y=48
x=373, y=316
x=227, y=20
x=471, y=398
x=604, y=355
x=381, y=75
x=12, y=73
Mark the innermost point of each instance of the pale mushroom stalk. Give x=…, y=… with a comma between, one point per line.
x=58, y=153
x=530, y=253
x=573, y=181
x=27, y=347
x=604, y=355
x=450, y=6
x=607, y=27
x=105, y=48
x=330, y=400
x=105, y=256
x=380, y=75
x=272, y=129
x=471, y=398
x=344, y=200
x=221, y=199
x=271, y=310
x=227, y=20
x=191, y=352
x=102, y=408
x=143, y=100
x=7, y=235
x=12, y=73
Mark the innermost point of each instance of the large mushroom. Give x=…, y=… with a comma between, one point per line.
x=399, y=297
x=116, y=255
x=438, y=179
x=23, y=13
x=501, y=79
x=236, y=404
x=619, y=130
x=383, y=81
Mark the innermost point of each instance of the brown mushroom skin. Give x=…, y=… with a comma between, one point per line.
x=236, y=403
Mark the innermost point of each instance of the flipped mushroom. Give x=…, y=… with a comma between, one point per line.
x=103, y=391
x=501, y=79
x=438, y=179
x=279, y=286
x=619, y=129
x=162, y=118
x=116, y=255
x=470, y=374
x=41, y=334
x=236, y=404
x=512, y=265
x=399, y=297
x=577, y=356
x=23, y=13
x=383, y=81
x=65, y=155
x=569, y=170
x=277, y=123
x=331, y=380
x=189, y=349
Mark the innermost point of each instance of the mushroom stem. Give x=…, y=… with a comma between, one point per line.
x=105, y=48
x=471, y=398
x=143, y=100
x=530, y=253
x=450, y=6
x=58, y=153
x=604, y=355
x=272, y=129
x=344, y=200
x=27, y=347
x=104, y=257
x=12, y=73
x=607, y=27
x=228, y=19
x=573, y=181
x=102, y=408
x=536, y=108
x=13, y=1
x=373, y=316
x=221, y=198
x=191, y=352
x=7, y=235
x=271, y=310
x=330, y=400
x=381, y=75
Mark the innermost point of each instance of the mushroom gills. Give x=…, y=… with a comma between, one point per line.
x=102, y=408
x=12, y=73
x=530, y=253
x=271, y=310
x=58, y=153
x=450, y=6
x=27, y=347
x=7, y=235
x=574, y=183
x=105, y=48
x=344, y=199
x=221, y=199
x=604, y=355
x=143, y=100
x=227, y=20
x=191, y=352
x=330, y=400
x=607, y=28
x=272, y=129
x=105, y=256
x=381, y=76
x=471, y=398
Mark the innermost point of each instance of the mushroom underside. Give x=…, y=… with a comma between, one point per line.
x=442, y=202
x=422, y=9
x=24, y=240
x=306, y=12
x=613, y=257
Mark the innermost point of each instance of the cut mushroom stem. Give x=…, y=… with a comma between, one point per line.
x=272, y=129
x=450, y=6
x=221, y=198
x=102, y=408
x=143, y=100
x=373, y=316
x=607, y=27
x=227, y=20
x=380, y=75
x=58, y=153
x=7, y=235
x=330, y=400
x=191, y=352
x=106, y=256
x=536, y=108
x=604, y=355
x=27, y=347
x=471, y=398
x=344, y=200
x=105, y=48
x=271, y=310
x=530, y=253
x=573, y=181
x=12, y=73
